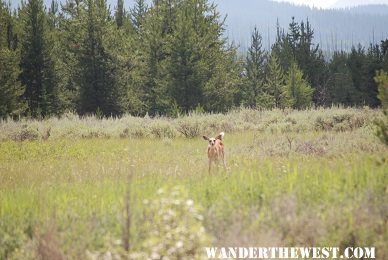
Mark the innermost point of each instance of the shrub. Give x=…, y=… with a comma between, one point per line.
x=340, y=122
x=189, y=129
x=27, y=133
x=174, y=227
x=382, y=128
x=189, y=126
x=163, y=130
x=12, y=238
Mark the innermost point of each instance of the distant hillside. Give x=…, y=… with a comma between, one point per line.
x=369, y=9
x=352, y=3
x=334, y=28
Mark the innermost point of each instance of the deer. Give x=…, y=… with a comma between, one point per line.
x=215, y=150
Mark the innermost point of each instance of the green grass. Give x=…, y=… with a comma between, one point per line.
x=313, y=182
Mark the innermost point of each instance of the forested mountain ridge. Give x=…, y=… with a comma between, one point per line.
x=335, y=29
x=355, y=3
x=167, y=59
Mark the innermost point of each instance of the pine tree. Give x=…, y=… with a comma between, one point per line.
x=120, y=13
x=221, y=88
x=297, y=46
x=125, y=63
x=274, y=81
x=373, y=62
x=381, y=79
x=198, y=63
x=37, y=66
x=11, y=89
x=283, y=49
x=68, y=48
x=298, y=93
x=342, y=89
x=53, y=14
x=153, y=70
x=255, y=69
x=98, y=89
x=186, y=70
x=355, y=62
x=382, y=124
x=186, y=60
x=311, y=61
x=294, y=35
x=138, y=13
x=384, y=54
x=219, y=59
x=8, y=36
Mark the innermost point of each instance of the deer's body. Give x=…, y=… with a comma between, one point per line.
x=215, y=150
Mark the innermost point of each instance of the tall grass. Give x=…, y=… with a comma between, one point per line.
x=192, y=125
x=294, y=178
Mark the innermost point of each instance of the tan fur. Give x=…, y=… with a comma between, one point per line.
x=215, y=150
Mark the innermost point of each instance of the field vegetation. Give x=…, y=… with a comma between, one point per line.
x=83, y=187
x=99, y=183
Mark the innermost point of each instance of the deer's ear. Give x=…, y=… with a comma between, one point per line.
x=219, y=137
x=206, y=138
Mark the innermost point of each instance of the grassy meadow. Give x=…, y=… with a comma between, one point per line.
x=137, y=188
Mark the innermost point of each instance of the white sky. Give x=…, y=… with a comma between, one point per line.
x=331, y=3
x=316, y=3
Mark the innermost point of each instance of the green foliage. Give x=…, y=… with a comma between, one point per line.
x=152, y=71
x=11, y=103
x=339, y=122
x=282, y=48
x=37, y=66
x=274, y=82
x=254, y=94
x=99, y=88
x=8, y=35
x=164, y=58
x=138, y=13
x=374, y=61
x=382, y=125
x=80, y=185
x=311, y=61
x=384, y=54
x=98, y=52
x=185, y=60
x=382, y=81
x=296, y=46
x=67, y=38
x=12, y=239
x=188, y=66
x=220, y=90
x=5, y=25
x=123, y=62
x=297, y=93
x=173, y=227
x=341, y=86
x=120, y=13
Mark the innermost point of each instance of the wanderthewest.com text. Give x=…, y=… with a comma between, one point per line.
x=290, y=253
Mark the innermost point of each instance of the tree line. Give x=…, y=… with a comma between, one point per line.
x=164, y=59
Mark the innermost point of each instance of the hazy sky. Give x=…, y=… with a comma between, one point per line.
x=335, y=3
x=316, y=3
